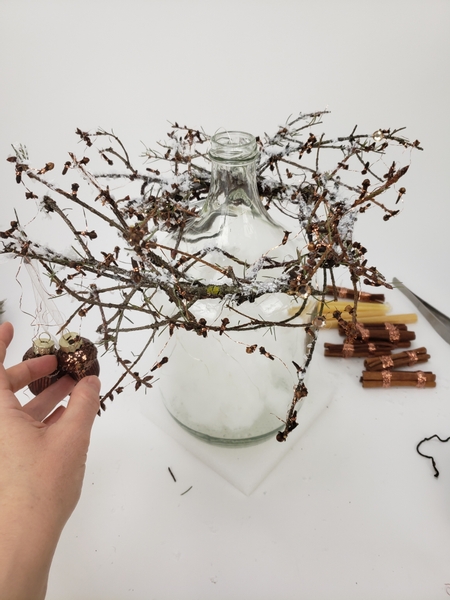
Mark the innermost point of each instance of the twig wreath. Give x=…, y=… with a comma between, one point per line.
x=320, y=186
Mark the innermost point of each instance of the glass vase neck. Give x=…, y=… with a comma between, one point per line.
x=233, y=147
x=234, y=156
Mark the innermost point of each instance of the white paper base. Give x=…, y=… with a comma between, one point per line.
x=245, y=467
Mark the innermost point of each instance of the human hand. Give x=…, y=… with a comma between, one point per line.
x=42, y=462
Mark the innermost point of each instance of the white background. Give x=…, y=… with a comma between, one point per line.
x=351, y=512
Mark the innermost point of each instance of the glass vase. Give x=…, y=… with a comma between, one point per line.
x=234, y=387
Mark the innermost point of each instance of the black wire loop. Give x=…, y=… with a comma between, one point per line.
x=433, y=462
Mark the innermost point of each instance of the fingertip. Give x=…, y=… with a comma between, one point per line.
x=92, y=381
x=6, y=332
x=6, y=335
x=49, y=362
x=85, y=396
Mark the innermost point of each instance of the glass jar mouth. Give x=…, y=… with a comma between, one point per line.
x=233, y=147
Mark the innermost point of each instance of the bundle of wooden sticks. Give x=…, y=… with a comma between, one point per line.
x=376, y=338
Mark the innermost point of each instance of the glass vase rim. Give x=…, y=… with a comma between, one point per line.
x=233, y=146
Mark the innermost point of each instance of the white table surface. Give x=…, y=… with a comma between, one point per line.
x=347, y=510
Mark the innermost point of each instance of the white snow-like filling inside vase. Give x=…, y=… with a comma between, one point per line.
x=220, y=389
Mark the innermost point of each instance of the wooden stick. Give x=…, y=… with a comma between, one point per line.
x=379, y=384
x=402, y=335
x=399, y=359
x=386, y=379
x=398, y=375
x=331, y=322
x=343, y=292
x=361, y=349
x=375, y=326
x=362, y=307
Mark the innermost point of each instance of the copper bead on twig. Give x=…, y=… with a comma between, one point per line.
x=42, y=345
x=77, y=356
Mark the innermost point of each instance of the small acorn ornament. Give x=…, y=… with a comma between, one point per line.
x=77, y=356
x=42, y=345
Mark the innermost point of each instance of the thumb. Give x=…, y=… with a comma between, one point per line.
x=84, y=404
